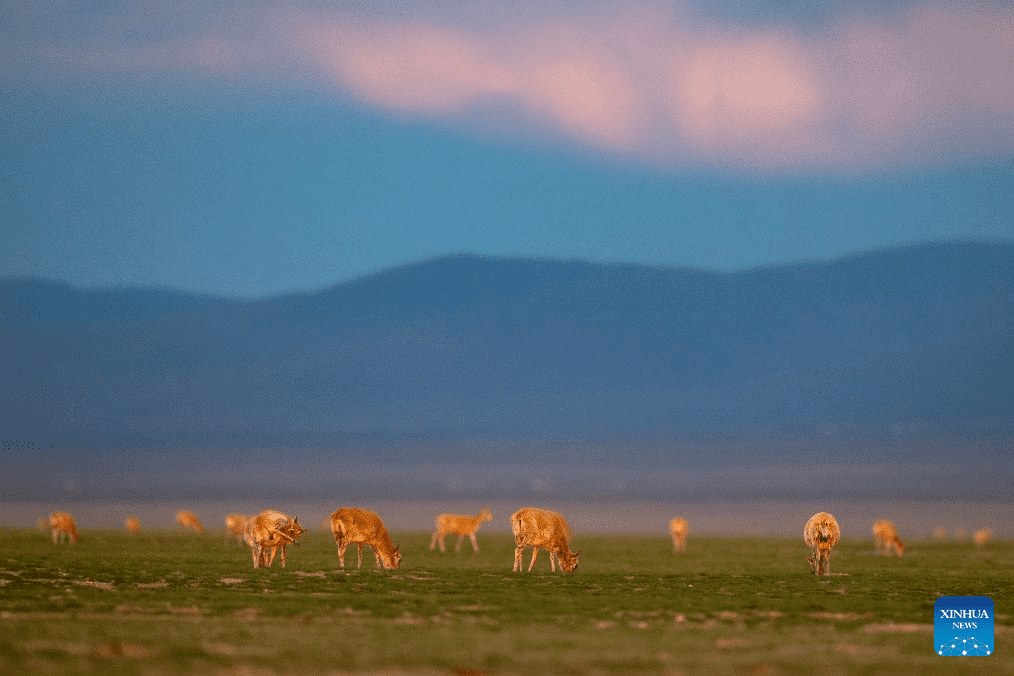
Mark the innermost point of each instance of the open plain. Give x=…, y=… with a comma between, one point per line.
x=165, y=602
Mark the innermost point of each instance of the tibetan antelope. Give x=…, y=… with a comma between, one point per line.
x=982, y=536
x=679, y=528
x=270, y=530
x=352, y=525
x=462, y=524
x=821, y=533
x=886, y=537
x=235, y=526
x=62, y=524
x=189, y=520
x=535, y=528
x=132, y=524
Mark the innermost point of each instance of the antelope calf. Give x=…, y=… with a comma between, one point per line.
x=462, y=524
x=535, y=528
x=272, y=530
x=679, y=528
x=352, y=525
x=62, y=524
x=885, y=534
x=821, y=532
x=132, y=524
x=189, y=520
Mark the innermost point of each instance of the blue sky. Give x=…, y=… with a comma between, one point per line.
x=259, y=147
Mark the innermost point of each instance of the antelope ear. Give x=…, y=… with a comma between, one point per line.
x=295, y=521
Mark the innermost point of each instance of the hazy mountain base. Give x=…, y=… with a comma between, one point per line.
x=182, y=604
x=920, y=466
x=915, y=519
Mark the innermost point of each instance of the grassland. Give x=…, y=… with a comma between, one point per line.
x=169, y=603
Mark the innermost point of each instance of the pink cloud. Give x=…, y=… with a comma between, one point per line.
x=928, y=84
x=756, y=98
x=863, y=92
x=433, y=70
x=420, y=68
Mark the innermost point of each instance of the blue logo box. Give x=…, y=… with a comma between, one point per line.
x=963, y=626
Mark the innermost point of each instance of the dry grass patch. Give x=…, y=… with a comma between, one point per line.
x=897, y=628
x=231, y=650
x=839, y=616
x=115, y=649
x=864, y=650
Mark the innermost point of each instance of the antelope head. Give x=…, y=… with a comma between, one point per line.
x=570, y=561
x=289, y=532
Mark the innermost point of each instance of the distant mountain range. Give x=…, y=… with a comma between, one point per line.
x=470, y=359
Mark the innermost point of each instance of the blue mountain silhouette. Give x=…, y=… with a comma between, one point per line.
x=416, y=362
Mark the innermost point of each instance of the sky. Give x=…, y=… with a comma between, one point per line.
x=251, y=148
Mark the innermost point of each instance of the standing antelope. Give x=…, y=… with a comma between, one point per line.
x=132, y=524
x=235, y=526
x=982, y=536
x=189, y=520
x=679, y=528
x=62, y=524
x=535, y=528
x=885, y=534
x=363, y=527
x=270, y=530
x=463, y=525
x=821, y=532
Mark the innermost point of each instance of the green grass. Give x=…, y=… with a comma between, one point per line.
x=167, y=603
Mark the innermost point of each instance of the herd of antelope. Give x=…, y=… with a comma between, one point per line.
x=271, y=531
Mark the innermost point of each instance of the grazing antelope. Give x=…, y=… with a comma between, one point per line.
x=982, y=536
x=821, y=532
x=132, y=524
x=886, y=536
x=62, y=524
x=363, y=527
x=235, y=526
x=535, y=528
x=463, y=525
x=189, y=520
x=270, y=530
x=679, y=528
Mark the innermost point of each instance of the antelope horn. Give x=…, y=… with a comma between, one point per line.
x=278, y=532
